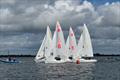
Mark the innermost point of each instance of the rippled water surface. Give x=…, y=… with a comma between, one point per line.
x=107, y=68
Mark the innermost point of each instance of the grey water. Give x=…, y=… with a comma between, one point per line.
x=107, y=68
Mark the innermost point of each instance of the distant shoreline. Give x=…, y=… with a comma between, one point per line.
x=35, y=55
x=106, y=55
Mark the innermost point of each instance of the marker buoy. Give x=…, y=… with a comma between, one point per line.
x=78, y=62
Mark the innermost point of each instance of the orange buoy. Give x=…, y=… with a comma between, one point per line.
x=78, y=61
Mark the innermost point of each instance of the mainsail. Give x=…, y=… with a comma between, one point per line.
x=71, y=45
x=52, y=50
x=60, y=48
x=80, y=45
x=67, y=47
x=44, y=49
x=41, y=52
x=87, y=45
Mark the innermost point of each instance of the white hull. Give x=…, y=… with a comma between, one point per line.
x=61, y=61
x=40, y=61
x=90, y=60
x=83, y=60
x=55, y=61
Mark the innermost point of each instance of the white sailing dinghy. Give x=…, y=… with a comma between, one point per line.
x=58, y=50
x=85, y=47
x=44, y=49
x=71, y=46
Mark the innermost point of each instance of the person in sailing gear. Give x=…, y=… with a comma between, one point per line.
x=9, y=59
x=51, y=54
x=14, y=59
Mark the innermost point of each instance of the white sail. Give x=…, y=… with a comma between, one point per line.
x=58, y=47
x=67, y=47
x=51, y=57
x=87, y=46
x=80, y=45
x=71, y=45
x=41, y=52
x=44, y=49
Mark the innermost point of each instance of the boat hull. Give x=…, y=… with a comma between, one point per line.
x=90, y=60
x=4, y=61
x=55, y=62
x=83, y=60
x=67, y=61
x=40, y=61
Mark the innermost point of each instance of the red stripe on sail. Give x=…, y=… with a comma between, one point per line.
x=72, y=47
x=58, y=30
x=59, y=44
x=71, y=34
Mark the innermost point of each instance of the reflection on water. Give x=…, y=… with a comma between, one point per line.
x=68, y=71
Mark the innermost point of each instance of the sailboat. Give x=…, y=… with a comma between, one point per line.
x=54, y=50
x=71, y=46
x=44, y=49
x=58, y=50
x=85, y=46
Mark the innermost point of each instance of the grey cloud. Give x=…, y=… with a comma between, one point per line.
x=7, y=1
x=110, y=14
x=26, y=15
x=105, y=32
x=22, y=40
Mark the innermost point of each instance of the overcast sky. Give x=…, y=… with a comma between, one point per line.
x=23, y=23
